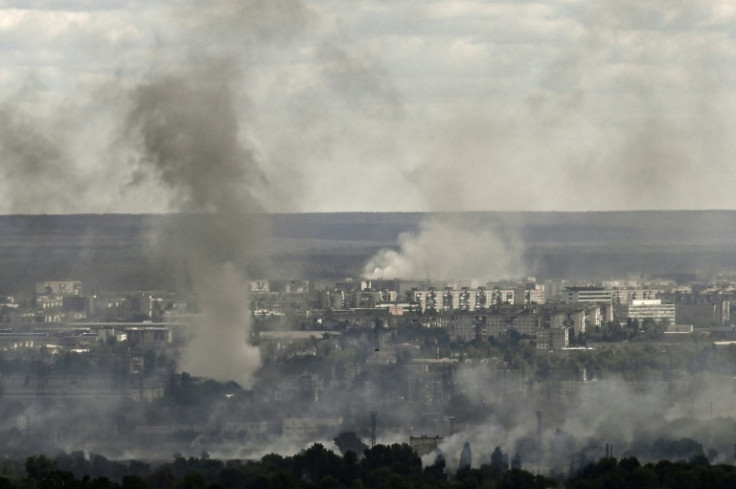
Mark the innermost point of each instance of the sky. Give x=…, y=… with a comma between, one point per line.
x=331, y=106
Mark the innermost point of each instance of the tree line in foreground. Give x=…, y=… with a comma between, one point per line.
x=383, y=466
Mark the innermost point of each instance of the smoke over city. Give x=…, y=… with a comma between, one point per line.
x=649, y=421
x=186, y=122
x=228, y=115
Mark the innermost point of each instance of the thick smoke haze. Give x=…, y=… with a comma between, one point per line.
x=416, y=106
x=232, y=108
x=636, y=419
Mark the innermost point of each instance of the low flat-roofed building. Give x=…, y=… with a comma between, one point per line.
x=422, y=445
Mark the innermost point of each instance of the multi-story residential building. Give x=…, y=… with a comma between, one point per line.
x=525, y=323
x=428, y=299
x=474, y=299
x=451, y=300
x=653, y=309
x=467, y=299
x=589, y=294
x=483, y=298
x=462, y=328
x=535, y=294
x=531, y=293
x=627, y=295
x=552, y=339
x=494, y=324
x=502, y=296
x=259, y=286
x=703, y=313
x=59, y=287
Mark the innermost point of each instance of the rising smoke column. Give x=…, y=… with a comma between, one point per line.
x=201, y=134
x=187, y=125
x=188, y=131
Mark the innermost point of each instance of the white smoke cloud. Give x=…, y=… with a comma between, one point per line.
x=448, y=248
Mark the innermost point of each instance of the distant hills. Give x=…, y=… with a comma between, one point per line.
x=114, y=251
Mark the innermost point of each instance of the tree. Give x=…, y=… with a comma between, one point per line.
x=436, y=471
x=40, y=466
x=519, y=479
x=466, y=457
x=133, y=482
x=516, y=461
x=193, y=480
x=162, y=478
x=399, y=458
x=316, y=462
x=499, y=462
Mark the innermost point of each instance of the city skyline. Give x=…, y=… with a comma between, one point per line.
x=323, y=106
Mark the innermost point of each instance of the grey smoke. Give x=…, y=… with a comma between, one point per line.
x=186, y=124
x=630, y=416
x=197, y=135
x=35, y=169
x=188, y=128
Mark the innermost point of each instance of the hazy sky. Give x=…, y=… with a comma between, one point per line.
x=372, y=105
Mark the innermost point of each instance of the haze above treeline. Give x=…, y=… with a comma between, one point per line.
x=113, y=251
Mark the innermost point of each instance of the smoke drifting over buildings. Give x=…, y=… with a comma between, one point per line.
x=232, y=108
x=644, y=421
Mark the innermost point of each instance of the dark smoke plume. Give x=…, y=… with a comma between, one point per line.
x=187, y=125
x=187, y=129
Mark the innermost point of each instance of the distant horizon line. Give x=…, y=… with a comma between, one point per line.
x=194, y=213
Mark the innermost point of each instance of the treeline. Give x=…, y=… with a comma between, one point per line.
x=383, y=466
x=630, y=473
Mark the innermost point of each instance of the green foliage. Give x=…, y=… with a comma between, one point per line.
x=133, y=482
x=384, y=466
x=39, y=467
